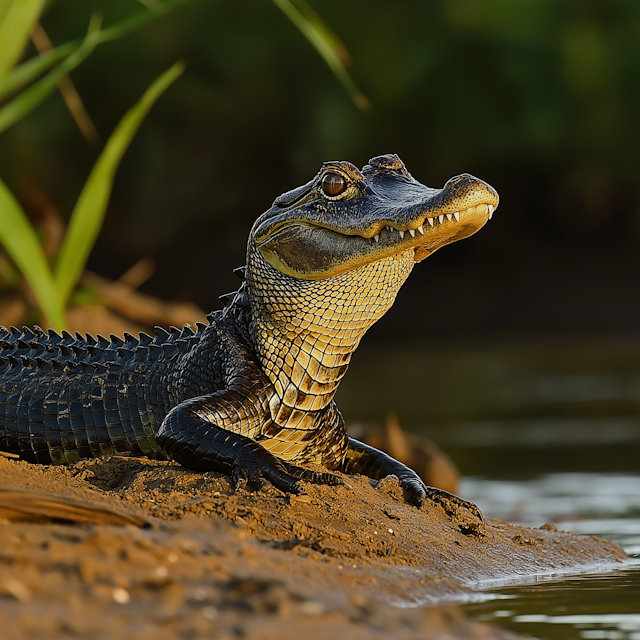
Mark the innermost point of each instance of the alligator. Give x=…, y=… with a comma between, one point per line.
x=250, y=394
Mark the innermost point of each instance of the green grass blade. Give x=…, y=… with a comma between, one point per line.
x=29, y=99
x=33, y=68
x=326, y=44
x=28, y=71
x=21, y=243
x=89, y=211
x=17, y=18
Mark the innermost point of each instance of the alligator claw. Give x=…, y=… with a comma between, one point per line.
x=314, y=477
x=255, y=469
x=451, y=503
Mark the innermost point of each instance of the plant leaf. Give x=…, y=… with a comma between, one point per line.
x=17, y=18
x=326, y=44
x=21, y=243
x=28, y=71
x=29, y=99
x=89, y=211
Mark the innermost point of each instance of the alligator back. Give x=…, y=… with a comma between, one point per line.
x=65, y=397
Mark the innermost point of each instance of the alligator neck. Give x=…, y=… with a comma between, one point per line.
x=306, y=330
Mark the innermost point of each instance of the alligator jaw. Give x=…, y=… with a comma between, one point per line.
x=436, y=230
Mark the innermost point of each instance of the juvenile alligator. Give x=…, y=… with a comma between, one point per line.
x=251, y=393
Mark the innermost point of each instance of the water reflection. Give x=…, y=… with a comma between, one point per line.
x=582, y=607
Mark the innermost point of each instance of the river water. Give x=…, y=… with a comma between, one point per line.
x=602, y=605
x=543, y=433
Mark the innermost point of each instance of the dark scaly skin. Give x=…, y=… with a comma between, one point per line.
x=251, y=394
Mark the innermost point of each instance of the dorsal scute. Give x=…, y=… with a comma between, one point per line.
x=78, y=351
x=54, y=337
x=162, y=335
x=103, y=342
x=145, y=339
x=115, y=340
x=130, y=340
x=43, y=364
x=155, y=352
x=125, y=354
x=169, y=349
x=27, y=334
x=187, y=332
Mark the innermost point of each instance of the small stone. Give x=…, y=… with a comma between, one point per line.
x=209, y=612
x=15, y=589
x=311, y=608
x=120, y=595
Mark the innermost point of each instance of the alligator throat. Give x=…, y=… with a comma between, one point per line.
x=305, y=332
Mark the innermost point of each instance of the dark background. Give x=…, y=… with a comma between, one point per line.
x=540, y=98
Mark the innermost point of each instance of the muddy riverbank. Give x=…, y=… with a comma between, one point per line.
x=196, y=559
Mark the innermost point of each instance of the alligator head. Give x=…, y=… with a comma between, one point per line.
x=346, y=218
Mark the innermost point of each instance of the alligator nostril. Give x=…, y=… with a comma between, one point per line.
x=452, y=182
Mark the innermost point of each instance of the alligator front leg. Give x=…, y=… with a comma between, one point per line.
x=368, y=461
x=221, y=431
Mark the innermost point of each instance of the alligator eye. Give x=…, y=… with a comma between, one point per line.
x=333, y=184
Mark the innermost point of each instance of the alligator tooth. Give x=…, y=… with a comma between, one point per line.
x=441, y=218
x=491, y=210
x=401, y=233
x=449, y=216
x=412, y=232
x=430, y=221
x=376, y=237
x=388, y=228
x=421, y=230
x=457, y=216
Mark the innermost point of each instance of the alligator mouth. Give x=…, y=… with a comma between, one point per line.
x=389, y=233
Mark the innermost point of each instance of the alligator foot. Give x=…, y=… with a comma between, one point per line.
x=453, y=505
x=416, y=492
x=362, y=458
x=190, y=439
x=258, y=466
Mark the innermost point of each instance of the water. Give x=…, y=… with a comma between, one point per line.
x=605, y=605
x=543, y=433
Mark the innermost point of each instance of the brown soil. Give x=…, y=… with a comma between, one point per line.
x=212, y=562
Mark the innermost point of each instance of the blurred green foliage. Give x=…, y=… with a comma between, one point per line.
x=18, y=19
x=19, y=238
x=538, y=97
